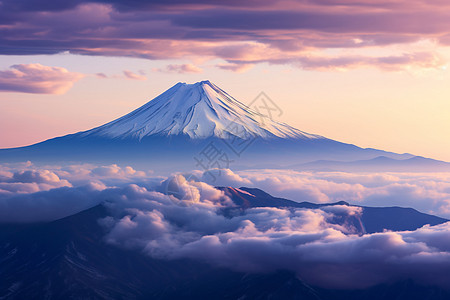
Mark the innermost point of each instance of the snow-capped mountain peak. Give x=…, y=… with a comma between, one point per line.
x=200, y=110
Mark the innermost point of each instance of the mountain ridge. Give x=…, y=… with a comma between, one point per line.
x=372, y=219
x=178, y=125
x=380, y=163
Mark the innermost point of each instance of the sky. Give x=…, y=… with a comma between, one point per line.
x=367, y=72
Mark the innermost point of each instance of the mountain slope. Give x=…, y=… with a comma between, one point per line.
x=180, y=124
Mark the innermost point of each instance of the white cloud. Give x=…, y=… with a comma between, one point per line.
x=30, y=194
x=306, y=241
x=200, y=222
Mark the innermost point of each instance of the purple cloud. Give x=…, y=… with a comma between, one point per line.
x=290, y=32
x=238, y=68
x=101, y=75
x=181, y=69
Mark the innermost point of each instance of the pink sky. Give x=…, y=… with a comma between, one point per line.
x=365, y=72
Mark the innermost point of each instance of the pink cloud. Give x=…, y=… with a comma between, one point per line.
x=130, y=75
x=37, y=79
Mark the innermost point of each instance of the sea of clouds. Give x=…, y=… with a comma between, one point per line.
x=146, y=215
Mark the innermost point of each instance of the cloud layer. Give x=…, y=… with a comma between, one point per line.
x=427, y=192
x=184, y=217
x=31, y=194
x=305, y=241
x=301, y=33
x=37, y=79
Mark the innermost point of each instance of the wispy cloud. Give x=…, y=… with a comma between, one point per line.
x=134, y=76
x=101, y=75
x=181, y=69
x=238, y=68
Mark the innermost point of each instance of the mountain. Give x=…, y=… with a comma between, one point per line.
x=69, y=259
x=180, y=124
x=371, y=220
x=377, y=164
x=199, y=111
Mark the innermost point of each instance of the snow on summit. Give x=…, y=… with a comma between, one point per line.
x=200, y=110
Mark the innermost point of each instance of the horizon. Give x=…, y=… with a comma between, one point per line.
x=280, y=119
